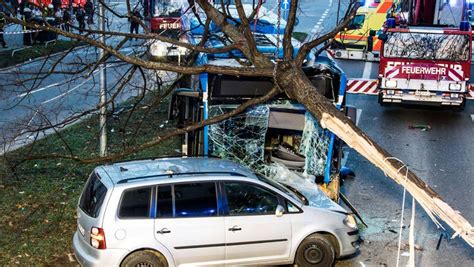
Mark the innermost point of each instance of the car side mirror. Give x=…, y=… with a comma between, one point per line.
x=383, y=37
x=279, y=211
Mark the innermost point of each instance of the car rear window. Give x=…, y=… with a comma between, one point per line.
x=93, y=196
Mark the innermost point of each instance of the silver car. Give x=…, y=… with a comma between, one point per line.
x=204, y=212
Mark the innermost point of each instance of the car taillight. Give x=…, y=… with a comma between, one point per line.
x=98, y=238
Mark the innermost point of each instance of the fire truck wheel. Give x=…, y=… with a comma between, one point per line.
x=383, y=104
x=461, y=107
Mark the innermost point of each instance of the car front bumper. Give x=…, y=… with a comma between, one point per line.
x=349, y=241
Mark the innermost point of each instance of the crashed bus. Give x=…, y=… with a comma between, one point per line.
x=428, y=65
x=278, y=138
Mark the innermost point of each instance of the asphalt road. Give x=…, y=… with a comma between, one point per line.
x=28, y=101
x=442, y=157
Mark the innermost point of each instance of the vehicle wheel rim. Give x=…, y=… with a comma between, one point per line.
x=144, y=264
x=313, y=254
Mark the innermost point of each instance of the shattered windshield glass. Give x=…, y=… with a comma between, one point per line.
x=249, y=138
x=428, y=46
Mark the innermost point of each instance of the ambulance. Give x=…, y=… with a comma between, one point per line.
x=359, y=39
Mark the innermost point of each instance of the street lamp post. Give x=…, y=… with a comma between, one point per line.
x=103, y=85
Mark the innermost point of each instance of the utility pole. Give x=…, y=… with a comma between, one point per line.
x=103, y=85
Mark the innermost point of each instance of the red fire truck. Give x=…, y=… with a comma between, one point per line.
x=425, y=64
x=163, y=16
x=64, y=3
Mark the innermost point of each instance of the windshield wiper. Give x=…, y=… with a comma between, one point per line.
x=298, y=194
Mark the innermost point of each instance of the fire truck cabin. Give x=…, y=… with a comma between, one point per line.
x=425, y=65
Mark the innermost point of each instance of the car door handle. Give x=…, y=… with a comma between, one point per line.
x=235, y=228
x=163, y=231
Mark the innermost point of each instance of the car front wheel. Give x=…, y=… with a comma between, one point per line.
x=315, y=250
x=144, y=258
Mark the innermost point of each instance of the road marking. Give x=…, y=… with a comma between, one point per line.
x=359, y=115
x=367, y=70
x=67, y=92
x=38, y=90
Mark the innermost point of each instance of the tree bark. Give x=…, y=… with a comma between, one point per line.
x=298, y=87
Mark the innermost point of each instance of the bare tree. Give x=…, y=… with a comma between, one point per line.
x=288, y=78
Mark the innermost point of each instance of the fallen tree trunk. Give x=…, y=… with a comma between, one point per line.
x=290, y=77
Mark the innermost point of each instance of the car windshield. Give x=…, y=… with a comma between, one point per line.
x=427, y=46
x=285, y=188
x=357, y=22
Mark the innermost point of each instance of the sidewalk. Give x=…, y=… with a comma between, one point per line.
x=13, y=37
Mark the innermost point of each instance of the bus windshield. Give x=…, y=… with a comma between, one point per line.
x=165, y=8
x=427, y=46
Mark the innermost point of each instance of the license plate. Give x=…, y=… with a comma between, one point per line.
x=81, y=229
x=423, y=93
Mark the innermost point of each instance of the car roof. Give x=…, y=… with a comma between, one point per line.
x=169, y=168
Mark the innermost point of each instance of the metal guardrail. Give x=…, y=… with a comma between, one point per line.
x=49, y=42
x=19, y=49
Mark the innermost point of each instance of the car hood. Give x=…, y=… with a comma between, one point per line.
x=316, y=197
x=309, y=189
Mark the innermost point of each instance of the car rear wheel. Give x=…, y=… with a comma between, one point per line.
x=144, y=258
x=315, y=250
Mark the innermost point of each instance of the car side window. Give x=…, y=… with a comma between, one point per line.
x=195, y=199
x=135, y=203
x=292, y=208
x=249, y=199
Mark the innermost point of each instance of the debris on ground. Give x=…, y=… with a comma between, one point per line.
x=422, y=127
x=417, y=247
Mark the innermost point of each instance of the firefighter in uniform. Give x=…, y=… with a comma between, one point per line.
x=3, y=21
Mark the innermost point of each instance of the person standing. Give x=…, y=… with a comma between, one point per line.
x=89, y=8
x=133, y=23
x=81, y=19
x=27, y=34
x=66, y=19
x=2, y=24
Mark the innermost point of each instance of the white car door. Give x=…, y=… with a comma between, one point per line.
x=188, y=224
x=254, y=234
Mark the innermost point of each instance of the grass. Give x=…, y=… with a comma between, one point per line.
x=34, y=52
x=38, y=198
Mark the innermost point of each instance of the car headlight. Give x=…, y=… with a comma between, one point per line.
x=350, y=221
x=390, y=84
x=454, y=87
